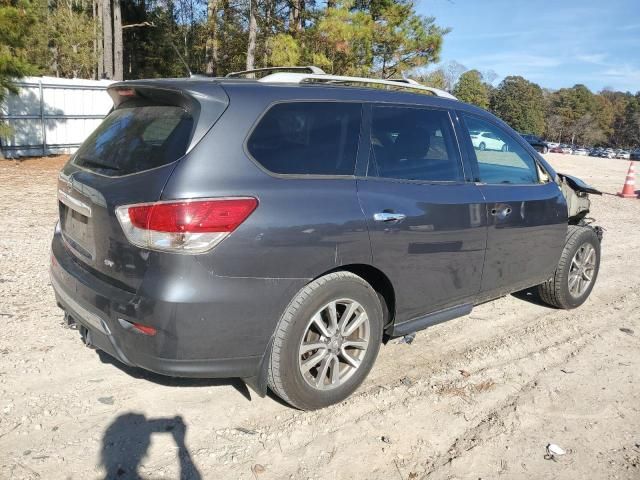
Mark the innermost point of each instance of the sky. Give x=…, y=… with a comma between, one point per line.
x=552, y=43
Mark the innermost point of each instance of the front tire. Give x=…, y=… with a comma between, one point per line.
x=326, y=341
x=482, y=146
x=577, y=270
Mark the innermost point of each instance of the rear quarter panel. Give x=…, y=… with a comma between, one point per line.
x=303, y=226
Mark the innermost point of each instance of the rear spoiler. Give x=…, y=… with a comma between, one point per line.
x=205, y=101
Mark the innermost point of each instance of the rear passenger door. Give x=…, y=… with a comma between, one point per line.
x=427, y=224
x=526, y=211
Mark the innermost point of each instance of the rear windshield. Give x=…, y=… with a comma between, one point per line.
x=134, y=139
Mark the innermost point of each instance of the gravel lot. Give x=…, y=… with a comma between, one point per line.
x=478, y=397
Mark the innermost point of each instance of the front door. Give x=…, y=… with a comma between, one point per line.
x=427, y=225
x=526, y=211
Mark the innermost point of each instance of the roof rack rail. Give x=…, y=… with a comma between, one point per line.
x=310, y=69
x=287, y=77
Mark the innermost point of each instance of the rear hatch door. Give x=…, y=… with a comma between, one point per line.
x=127, y=160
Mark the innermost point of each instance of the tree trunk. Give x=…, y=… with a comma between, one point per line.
x=268, y=16
x=253, y=32
x=118, y=64
x=211, y=48
x=269, y=7
x=107, y=35
x=99, y=38
x=295, y=16
x=94, y=72
x=226, y=19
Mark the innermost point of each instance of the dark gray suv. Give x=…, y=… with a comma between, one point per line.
x=279, y=230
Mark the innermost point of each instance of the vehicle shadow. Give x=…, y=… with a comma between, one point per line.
x=531, y=295
x=166, y=381
x=127, y=439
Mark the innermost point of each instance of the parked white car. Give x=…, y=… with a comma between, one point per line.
x=487, y=141
x=623, y=154
x=581, y=151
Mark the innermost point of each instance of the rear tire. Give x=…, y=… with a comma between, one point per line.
x=320, y=318
x=577, y=270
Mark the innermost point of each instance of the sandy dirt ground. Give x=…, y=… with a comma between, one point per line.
x=477, y=397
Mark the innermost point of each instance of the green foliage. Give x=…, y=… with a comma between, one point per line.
x=471, y=89
x=57, y=37
x=70, y=34
x=385, y=38
x=17, y=21
x=631, y=131
x=343, y=39
x=576, y=115
x=283, y=49
x=520, y=103
x=404, y=40
x=149, y=49
x=435, y=79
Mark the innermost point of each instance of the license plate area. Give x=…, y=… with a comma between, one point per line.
x=77, y=231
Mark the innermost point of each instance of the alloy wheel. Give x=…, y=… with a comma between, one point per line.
x=334, y=344
x=581, y=272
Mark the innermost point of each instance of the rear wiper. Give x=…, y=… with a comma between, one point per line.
x=92, y=163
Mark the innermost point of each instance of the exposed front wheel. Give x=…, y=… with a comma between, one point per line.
x=505, y=147
x=577, y=270
x=326, y=342
x=482, y=146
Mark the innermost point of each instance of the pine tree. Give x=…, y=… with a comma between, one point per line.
x=471, y=89
x=520, y=103
x=17, y=22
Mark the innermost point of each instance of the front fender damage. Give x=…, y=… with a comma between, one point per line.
x=576, y=192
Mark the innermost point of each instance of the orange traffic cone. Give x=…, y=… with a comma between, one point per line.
x=628, y=190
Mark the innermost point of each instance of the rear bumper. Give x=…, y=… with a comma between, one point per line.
x=222, y=332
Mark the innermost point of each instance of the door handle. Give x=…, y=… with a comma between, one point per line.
x=501, y=212
x=388, y=217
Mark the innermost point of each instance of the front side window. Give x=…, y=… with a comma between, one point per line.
x=500, y=158
x=308, y=138
x=411, y=143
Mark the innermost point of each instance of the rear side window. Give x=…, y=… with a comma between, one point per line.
x=308, y=138
x=134, y=139
x=412, y=143
x=500, y=158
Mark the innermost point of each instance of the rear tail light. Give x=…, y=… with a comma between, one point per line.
x=186, y=226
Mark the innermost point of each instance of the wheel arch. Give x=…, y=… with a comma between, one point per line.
x=375, y=277
x=379, y=281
